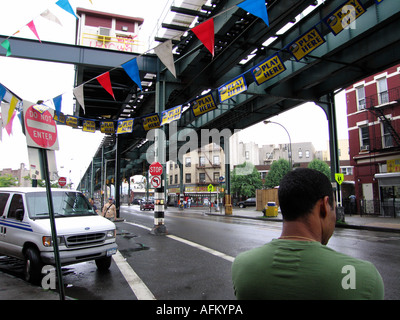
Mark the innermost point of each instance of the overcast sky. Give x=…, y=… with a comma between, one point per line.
x=35, y=80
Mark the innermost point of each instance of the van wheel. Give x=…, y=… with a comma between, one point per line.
x=103, y=264
x=33, y=266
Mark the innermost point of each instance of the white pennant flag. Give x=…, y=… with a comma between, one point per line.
x=78, y=93
x=50, y=16
x=164, y=53
x=1, y=129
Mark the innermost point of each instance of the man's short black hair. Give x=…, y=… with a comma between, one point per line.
x=300, y=189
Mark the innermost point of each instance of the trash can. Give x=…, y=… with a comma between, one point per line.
x=271, y=210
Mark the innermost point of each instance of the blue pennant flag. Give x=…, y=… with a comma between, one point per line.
x=132, y=69
x=57, y=103
x=64, y=4
x=256, y=8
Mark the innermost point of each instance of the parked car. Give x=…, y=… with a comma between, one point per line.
x=147, y=205
x=247, y=203
x=136, y=201
x=25, y=231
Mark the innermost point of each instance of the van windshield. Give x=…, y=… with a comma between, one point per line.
x=65, y=204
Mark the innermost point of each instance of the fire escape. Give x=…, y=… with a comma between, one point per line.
x=378, y=105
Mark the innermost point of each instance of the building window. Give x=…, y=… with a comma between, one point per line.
x=307, y=153
x=188, y=162
x=202, y=161
x=176, y=179
x=202, y=177
x=247, y=155
x=383, y=94
x=300, y=153
x=347, y=171
x=170, y=179
x=216, y=160
x=216, y=176
x=364, y=138
x=360, y=93
x=386, y=136
x=188, y=178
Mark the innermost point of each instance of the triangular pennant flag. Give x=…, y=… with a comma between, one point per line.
x=9, y=124
x=13, y=104
x=205, y=33
x=256, y=8
x=164, y=53
x=64, y=4
x=2, y=92
x=78, y=93
x=132, y=69
x=7, y=110
x=31, y=26
x=104, y=80
x=6, y=45
x=50, y=16
x=57, y=104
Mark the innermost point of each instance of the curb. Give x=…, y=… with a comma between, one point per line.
x=338, y=225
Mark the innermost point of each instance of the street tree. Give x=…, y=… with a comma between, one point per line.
x=8, y=181
x=245, y=180
x=320, y=166
x=276, y=173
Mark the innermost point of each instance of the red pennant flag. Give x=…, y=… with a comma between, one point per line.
x=31, y=26
x=205, y=33
x=104, y=80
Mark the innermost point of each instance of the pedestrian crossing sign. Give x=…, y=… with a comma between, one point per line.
x=339, y=177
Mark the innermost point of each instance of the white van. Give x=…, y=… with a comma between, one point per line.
x=25, y=231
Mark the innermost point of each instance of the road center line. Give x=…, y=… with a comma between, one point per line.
x=190, y=243
x=136, y=284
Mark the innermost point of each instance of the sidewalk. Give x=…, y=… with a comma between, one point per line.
x=365, y=222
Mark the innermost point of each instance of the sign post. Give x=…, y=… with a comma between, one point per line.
x=41, y=132
x=210, y=188
x=156, y=170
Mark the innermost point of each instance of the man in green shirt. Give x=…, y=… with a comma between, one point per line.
x=298, y=265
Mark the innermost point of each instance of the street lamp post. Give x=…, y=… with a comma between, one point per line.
x=290, y=142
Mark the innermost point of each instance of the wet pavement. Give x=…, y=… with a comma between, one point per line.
x=14, y=288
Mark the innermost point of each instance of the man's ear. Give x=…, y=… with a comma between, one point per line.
x=324, y=206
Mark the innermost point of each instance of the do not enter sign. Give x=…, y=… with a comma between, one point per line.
x=62, y=181
x=40, y=129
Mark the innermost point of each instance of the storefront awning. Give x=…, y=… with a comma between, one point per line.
x=388, y=179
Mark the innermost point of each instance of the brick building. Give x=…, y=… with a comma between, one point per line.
x=373, y=117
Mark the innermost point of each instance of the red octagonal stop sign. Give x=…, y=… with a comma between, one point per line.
x=40, y=129
x=156, y=169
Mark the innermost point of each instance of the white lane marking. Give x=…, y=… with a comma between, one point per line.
x=199, y=246
x=136, y=284
x=190, y=243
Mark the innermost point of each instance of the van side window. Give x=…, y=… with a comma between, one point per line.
x=16, y=203
x=3, y=201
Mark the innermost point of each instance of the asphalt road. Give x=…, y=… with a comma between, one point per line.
x=193, y=262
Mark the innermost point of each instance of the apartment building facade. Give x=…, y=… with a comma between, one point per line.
x=200, y=168
x=373, y=116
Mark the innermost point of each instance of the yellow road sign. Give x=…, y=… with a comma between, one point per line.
x=339, y=177
x=210, y=188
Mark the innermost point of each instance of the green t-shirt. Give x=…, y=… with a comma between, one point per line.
x=287, y=269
